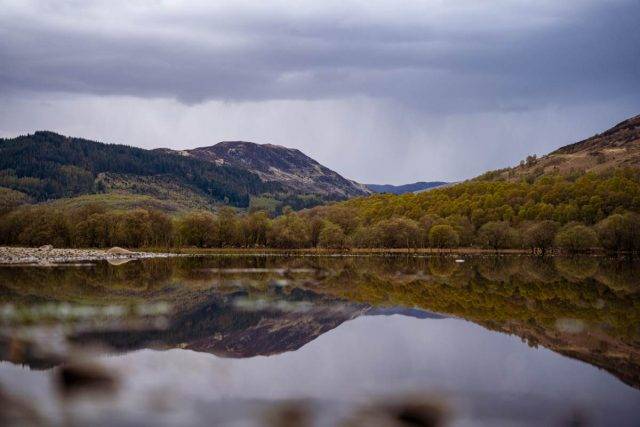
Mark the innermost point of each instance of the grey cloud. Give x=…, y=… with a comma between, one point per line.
x=575, y=55
x=364, y=139
x=396, y=91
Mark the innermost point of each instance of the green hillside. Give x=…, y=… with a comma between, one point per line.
x=46, y=166
x=575, y=209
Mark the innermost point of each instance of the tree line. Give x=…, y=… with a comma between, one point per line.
x=575, y=213
x=333, y=227
x=47, y=166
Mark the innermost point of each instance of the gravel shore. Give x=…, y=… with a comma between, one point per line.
x=46, y=255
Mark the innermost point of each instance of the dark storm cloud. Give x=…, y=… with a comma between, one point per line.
x=491, y=57
x=380, y=90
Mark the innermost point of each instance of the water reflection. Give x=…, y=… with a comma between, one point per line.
x=365, y=325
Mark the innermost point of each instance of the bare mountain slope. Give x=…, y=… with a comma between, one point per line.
x=617, y=147
x=287, y=166
x=45, y=166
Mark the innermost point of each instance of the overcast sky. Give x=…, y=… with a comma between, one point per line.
x=382, y=91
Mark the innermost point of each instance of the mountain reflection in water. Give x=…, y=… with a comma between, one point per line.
x=315, y=316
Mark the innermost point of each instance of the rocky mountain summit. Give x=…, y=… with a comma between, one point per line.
x=274, y=163
x=46, y=166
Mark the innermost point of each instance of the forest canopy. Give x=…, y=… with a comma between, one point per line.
x=577, y=212
x=46, y=166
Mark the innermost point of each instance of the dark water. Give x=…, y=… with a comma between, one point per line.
x=274, y=340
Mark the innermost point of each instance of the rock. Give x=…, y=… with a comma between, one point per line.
x=118, y=261
x=409, y=411
x=45, y=247
x=45, y=257
x=295, y=413
x=83, y=378
x=116, y=250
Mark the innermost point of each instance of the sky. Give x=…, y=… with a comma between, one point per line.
x=390, y=91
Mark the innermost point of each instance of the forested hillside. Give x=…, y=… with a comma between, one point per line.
x=576, y=213
x=47, y=166
x=575, y=209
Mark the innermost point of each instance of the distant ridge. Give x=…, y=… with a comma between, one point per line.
x=46, y=166
x=406, y=188
x=287, y=167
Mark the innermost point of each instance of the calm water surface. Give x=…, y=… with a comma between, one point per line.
x=277, y=340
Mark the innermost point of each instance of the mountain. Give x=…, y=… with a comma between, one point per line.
x=618, y=147
x=219, y=327
x=403, y=311
x=46, y=166
x=288, y=167
x=406, y=188
x=587, y=182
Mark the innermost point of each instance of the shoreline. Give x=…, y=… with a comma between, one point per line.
x=48, y=256
x=351, y=251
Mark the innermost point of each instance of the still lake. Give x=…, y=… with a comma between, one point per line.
x=322, y=340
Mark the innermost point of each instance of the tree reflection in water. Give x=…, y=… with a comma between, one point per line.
x=240, y=306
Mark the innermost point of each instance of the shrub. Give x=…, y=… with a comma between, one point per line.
x=498, y=235
x=443, y=236
x=228, y=229
x=463, y=226
x=10, y=199
x=364, y=237
x=197, y=229
x=95, y=231
x=332, y=236
x=288, y=232
x=540, y=235
x=576, y=238
x=397, y=232
x=133, y=229
x=620, y=232
x=255, y=227
x=425, y=223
